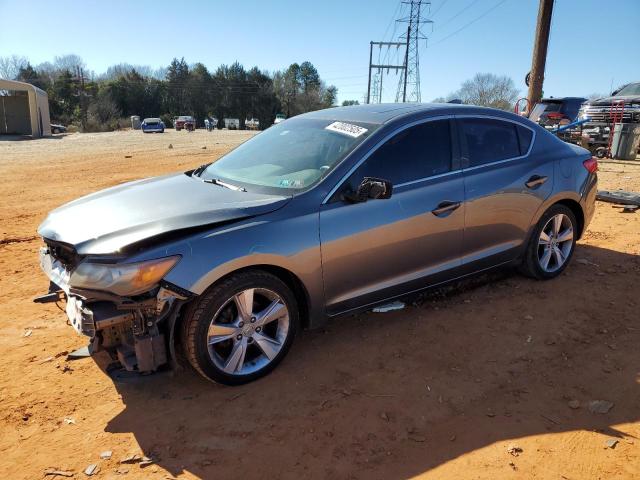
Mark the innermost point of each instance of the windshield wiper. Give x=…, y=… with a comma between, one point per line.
x=217, y=181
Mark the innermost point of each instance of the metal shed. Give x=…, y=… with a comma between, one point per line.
x=24, y=109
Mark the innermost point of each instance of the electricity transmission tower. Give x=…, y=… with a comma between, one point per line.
x=379, y=69
x=409, y=83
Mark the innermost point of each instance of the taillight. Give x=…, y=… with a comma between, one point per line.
x=591, y=165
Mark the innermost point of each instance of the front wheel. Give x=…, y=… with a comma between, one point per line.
x=551, y=245
x=240, y=328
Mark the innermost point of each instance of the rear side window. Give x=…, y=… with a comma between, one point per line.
x=415, y=153
x=524, y=138
x=490, y=140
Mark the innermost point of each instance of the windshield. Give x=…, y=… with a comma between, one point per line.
x=295, y=154
x=632, y=89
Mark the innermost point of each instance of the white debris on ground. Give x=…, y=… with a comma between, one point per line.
x=389, y=307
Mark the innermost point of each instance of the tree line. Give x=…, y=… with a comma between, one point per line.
x=106, y=101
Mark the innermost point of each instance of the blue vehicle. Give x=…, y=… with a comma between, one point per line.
x=151, y=125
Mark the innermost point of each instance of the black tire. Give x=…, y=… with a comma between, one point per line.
x=198, y=317
x=530, y=265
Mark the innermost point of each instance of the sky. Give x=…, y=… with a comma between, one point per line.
x=466, y=37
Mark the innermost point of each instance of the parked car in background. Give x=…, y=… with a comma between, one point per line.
x=252, y=124
x=232, y=123
x=56, y=128
x=279, y=118
x=186, y=122
x=623, y=106
x=152, y=125
x=552, y=112
x=329, y=213
x=599, y=111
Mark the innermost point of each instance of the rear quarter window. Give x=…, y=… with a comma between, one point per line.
x=524, y=138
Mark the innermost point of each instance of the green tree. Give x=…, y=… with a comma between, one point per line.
x=177, y=87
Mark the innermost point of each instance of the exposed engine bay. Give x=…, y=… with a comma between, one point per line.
x=135, y=331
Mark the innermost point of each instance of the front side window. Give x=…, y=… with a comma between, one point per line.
x=415, y=153
x=490, y=140
x=294, y=155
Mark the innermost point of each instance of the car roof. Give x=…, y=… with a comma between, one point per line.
x=563, y=99
x=380, y=113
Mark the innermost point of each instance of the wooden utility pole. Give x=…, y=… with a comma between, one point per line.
x=539, y=60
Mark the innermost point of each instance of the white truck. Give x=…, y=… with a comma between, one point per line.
x=232, y=123
x=252, y=124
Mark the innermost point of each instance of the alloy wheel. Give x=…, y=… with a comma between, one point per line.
x=555, y=243
x=248, y=331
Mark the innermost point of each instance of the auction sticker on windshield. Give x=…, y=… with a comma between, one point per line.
x=347, y=129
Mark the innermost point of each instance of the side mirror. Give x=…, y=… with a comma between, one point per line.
x=370, y=188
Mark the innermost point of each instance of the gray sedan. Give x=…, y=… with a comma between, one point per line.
x=324, y=214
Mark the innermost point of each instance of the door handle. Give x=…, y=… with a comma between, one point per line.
x=535, y=181
x=445, y=208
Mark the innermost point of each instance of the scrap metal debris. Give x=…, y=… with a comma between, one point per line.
x=389, y=307
x=83, y=352
x=133, y=458
x=619, y=197
x=55, y=472
x=627, y=208
x=146, y=461
x=91, y=470
x=611, y=443
x=600, y=406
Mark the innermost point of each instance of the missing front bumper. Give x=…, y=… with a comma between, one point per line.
x=133, y=331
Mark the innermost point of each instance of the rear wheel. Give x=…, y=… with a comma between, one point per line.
x=551, y=245
x=241, y=328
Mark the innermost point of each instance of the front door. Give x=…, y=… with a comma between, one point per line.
x=378, y=249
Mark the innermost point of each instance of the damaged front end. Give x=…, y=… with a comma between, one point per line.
x=126, y=309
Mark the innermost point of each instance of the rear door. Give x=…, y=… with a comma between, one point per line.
x=378, y=249
x=505, y=184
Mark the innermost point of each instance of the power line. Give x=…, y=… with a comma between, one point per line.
x=469, y=24
x=447, y=22
x=439, y=8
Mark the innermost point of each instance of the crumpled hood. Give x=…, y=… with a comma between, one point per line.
x=108, y=220
x=606, y=101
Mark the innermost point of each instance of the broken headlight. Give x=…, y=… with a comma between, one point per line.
x=122, y=278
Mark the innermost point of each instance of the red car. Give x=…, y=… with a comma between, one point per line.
x=184, y=121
